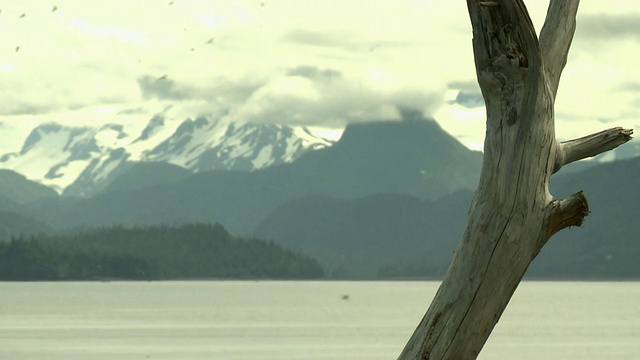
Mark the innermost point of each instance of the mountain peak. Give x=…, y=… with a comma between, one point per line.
x=411, y=114
x=411, y=130
x=37, y=133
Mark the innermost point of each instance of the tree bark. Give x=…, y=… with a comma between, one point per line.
x=512, y=215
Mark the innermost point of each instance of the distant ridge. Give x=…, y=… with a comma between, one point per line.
x=17, y=188
x=357, y=238
x=401, y=237
x=145, y=174
x=414, y=157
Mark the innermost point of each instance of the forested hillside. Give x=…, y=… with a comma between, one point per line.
x=13, y=224
x=161, y=252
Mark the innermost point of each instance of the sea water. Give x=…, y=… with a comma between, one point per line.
x=299, y=320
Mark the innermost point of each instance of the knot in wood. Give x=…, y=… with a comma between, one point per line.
x=513, y=116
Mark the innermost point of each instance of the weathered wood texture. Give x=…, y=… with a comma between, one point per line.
x=512, y=214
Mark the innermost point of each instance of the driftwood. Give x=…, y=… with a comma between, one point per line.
x=512, y=215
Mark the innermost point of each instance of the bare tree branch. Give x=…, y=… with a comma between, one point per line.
x=555, y=38
x=568, y=212
x=590, y=145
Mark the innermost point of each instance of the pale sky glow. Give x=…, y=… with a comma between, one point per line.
x=318, y=63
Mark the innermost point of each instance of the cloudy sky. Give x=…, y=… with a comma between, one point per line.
x=322, y=63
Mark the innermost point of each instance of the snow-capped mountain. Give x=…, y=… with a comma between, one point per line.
x=204, y=144
x=80, y=161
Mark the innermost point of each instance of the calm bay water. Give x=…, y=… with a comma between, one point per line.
x=299, y=320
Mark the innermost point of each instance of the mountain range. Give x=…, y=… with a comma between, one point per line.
x=81, y=160
x=393, y=236
x=411, y=157
x=389, y=199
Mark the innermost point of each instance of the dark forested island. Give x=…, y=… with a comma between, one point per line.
x=195, y=251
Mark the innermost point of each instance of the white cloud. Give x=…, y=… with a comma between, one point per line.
x=323, y=63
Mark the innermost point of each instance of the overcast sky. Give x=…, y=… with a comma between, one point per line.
x=321, y=63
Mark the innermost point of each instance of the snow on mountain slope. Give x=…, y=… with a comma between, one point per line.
x=54, y=155
x=204, y=144
x=82, y=160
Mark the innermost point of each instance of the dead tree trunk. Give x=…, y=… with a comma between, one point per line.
x=512, y=214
